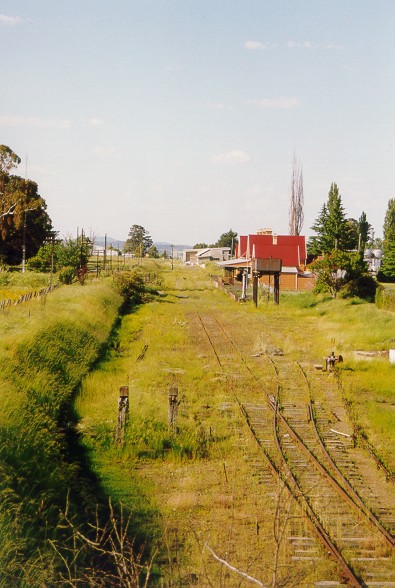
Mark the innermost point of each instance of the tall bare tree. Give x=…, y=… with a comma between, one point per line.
x=296, y=214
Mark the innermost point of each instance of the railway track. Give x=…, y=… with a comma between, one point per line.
x=293, y=427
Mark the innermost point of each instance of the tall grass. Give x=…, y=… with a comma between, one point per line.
x=12, y=284
x=195, y=483
x=44, y=356
x=385, y=297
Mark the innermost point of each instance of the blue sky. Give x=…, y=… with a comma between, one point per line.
x=183, y=115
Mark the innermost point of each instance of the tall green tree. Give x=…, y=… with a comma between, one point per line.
x=139, y=241
x=332, y=227
x=24, y=221
x=228, y=239
x=364, y=231
x=153, y=252
x=8, y=160
x=389, y=222
x=387, y=271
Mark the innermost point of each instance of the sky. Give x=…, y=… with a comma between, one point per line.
x=184, y=116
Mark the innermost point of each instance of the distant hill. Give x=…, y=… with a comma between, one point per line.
x=118, y=243
x=163, y=246
x=160, y=245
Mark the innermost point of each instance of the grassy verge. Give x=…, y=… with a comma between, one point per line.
x=46, y=349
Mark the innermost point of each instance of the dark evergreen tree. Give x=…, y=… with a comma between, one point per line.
x=332, y=227
x=364, y=231
x=387, y=271
x=389, y=222
x=228, y=239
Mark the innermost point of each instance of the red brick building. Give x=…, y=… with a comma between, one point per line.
x=290, y=249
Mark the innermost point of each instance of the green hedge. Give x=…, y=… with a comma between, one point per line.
x=385, y=298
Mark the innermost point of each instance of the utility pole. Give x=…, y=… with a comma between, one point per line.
x=24, y=241
x=172, y=256
x=24, y=224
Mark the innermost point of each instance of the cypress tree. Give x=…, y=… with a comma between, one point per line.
x=387, y=272
x=331, y=226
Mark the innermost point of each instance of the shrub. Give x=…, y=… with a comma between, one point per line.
x=4, y=278
x=66, y=275
x=130, y=284
x=362, y=287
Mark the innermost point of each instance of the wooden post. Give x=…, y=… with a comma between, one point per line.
x=173, y=408
x=255, y=288
x=277, y=288
x=123, y=411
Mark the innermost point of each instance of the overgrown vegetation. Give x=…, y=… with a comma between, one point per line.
x=188, y=489
x=385, y=298
x=42, y=363
x=195, y=476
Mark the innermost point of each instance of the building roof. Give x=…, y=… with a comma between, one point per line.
x=291, y=249
x=240, y=262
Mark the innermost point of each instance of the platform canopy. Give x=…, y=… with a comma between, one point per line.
x=241, y=262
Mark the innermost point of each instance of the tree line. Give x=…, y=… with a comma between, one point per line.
x=26, y=232
x=337, y=248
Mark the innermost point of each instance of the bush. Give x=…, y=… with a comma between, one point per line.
x=131, y=284
x=4, y=278
x=66, y=275
x=362, y=287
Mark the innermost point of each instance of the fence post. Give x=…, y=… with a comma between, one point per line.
x=173, y=408
x=123, y=411
x=255, y=288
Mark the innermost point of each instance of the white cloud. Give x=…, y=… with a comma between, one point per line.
x=236, y=156
x=276, y=103
x=254, y=45
x=34, y=121
x=95, y=122
x=9, y=20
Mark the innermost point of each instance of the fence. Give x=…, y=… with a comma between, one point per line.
x=26, y=297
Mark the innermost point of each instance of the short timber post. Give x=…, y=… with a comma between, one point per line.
x=277, y=288
x=173, y=408
x=255, y=288
x=123, y=411
x=244, y=284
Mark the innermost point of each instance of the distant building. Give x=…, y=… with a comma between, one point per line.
x=98, y=250
x=202, y=256
x=265, y=244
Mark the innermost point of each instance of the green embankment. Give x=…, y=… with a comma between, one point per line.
x=385, y=297
x=46, y=348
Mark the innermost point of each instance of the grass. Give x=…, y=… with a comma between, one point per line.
x=13, y=284
x=197, y=487
x=45, y=351
x=200, y=482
